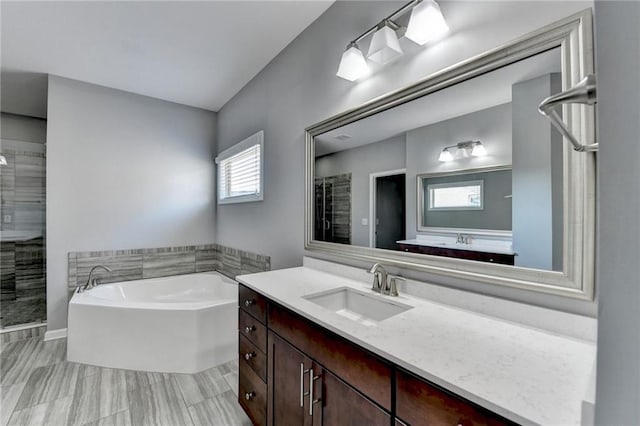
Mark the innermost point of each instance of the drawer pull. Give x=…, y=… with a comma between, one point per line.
x=249, y=302
x=302, y=392
x=249, y=329
x=249, y=395
x=312, y=401
x=249, y=355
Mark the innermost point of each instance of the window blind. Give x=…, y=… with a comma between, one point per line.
x=240, y=175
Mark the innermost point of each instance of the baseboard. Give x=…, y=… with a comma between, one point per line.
x=55, y=334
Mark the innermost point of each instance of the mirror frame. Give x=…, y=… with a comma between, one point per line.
x=574, y=35
x=457, y=172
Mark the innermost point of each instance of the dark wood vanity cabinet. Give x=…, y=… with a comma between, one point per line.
x=480, y=256
x=307, y=375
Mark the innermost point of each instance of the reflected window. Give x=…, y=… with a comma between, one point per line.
x=456, y=195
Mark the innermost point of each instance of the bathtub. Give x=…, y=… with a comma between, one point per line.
x=179, y=324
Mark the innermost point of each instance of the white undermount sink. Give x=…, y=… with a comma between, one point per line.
x=358, y=305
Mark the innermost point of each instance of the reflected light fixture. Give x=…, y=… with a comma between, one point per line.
x=384, y=44
x=463, y=150
x=3, y=160
x=426, y=23
x=352, y=65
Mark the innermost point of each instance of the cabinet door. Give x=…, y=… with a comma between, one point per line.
x=342, y=405
x=288, y=378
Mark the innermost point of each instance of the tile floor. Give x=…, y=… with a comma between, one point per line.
x=38, y=387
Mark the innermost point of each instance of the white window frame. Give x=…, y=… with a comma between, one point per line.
x=251, y=141
x=479, y=183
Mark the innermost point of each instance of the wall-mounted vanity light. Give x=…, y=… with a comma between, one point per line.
x=425, y=24
x=463, y=150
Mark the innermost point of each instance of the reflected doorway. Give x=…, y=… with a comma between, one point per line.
x=388, y=209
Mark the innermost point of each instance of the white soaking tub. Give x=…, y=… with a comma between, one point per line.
x=179, y=324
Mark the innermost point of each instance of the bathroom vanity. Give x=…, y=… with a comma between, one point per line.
x=307, y=357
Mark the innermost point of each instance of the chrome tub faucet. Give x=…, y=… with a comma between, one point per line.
x=93, y=282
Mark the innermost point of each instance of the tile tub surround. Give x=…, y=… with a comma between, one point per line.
x=136, y=264
x=524, y=374
x=46, y=389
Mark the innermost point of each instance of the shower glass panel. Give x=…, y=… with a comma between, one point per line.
x=333, y=209
x=22, y=224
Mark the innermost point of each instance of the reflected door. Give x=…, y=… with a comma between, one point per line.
x=390, y=211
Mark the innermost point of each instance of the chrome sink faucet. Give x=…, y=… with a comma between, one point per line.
x=93, y=282
x=383, y=283
x=379, y=277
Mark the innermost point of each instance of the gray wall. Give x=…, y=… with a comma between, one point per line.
x=533, y=209
x=618, y=61
x=23, y=128
x=123, y=171
x=491, y=126
x=496, y=212
x=299, y=88
x=360, y=162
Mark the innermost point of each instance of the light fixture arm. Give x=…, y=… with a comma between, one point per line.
x=582, y=93
x=389, y=19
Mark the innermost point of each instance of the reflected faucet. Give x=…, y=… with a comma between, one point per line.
x=379, y=277
x=91, y=283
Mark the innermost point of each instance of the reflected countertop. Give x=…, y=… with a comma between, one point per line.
x=473, y=246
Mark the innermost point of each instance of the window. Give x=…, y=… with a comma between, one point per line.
x=240, y=171
x=456, y=195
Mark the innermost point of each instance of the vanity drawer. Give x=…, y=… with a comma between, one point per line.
x=253, y=330
x=252, y=357
x=253, y=303
x=252, y=395
x=419, y=402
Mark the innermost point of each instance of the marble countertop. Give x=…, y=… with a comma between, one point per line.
x=456, y=246
x=527, y=375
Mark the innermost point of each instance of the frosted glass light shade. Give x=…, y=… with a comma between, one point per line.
x=384, y=45
x=352, y=65
x=426, y=23
x=3, y=160
x=445, y=155
x=478, y=150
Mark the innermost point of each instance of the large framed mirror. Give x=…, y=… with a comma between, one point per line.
x=460, y=175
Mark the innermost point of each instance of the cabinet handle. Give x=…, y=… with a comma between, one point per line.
x=312, y=401
x=248, y=329
x=249, y=355
x=248, y=302
x=302, y=392
x=249, y=395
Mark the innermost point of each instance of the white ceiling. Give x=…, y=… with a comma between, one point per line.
x=479, y=93
x=194, y=53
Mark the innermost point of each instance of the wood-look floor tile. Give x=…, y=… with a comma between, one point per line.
x=54, y=413
x=99, y=395
x=48, y=383
x=158, y=404
x=228, y=367
x=10, y=396
x=137, y=379
x=19, y=359
x=200, y=386
x=222, y=410
x=122, y=418
x=232, y=381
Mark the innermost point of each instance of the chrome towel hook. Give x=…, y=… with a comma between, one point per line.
x=582, y=93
